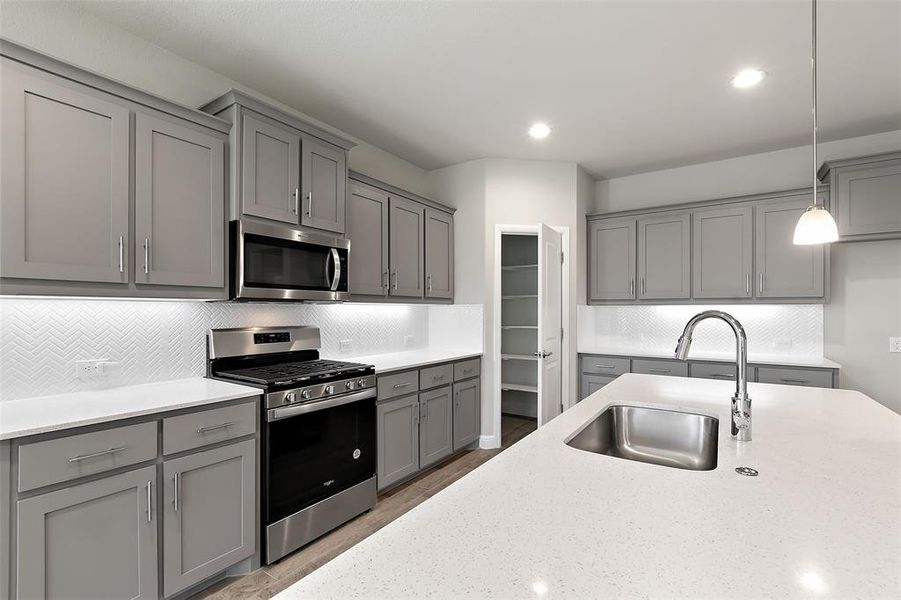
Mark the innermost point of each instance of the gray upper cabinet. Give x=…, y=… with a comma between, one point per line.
x=865, y=196
x=784, y=269
x=467, y=412
x=406, y=251
x=324, y=185
x=436, y=414
x=439, y=254
x=398, y=439
x=722, y=252
x=208, y=513
x=664, y=257
x=179, y=204
x=367, y=230
x=270, y=169
x=611, y=260
x=65, y=185
x=95, y=540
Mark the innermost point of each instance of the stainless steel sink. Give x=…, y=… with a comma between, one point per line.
x=652, y=435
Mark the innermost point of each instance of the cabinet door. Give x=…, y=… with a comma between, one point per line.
x=439, y=254
x=664, y=257
x=611, y=260
x=785, y=270
x=398, y=439
x=270, y=170
x=406, y=252
x=179, y=204
x=65, y=161
x=95, y=540
x=866, y=199
x=467, y=413
x=592, y=383
x=324, y=187
x=722, y=252
x=367, y=229
x=436, y=435
x=208, y=513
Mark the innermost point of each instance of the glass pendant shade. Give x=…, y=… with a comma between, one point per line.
x=816, y=226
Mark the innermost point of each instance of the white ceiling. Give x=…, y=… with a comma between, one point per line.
x=627, y=86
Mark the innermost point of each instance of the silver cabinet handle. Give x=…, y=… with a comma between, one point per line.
x=438, y=377
x=121, y=254
x=428, y=280
x=658, y=370
x=760, y=287
x=175, y=479
x=748, y=284
x=387, y=285
x=467, y=371
x=605, y=366
x=149, y=501
x=146, y=255
x=395, y=279
x=644, y=286
x=296, y=208
x=309, y=204
x=398, y=386
x=416, y=414
x=632, y=287
x=423, y=410
x=723, y=375
x=203, y=430
x=82, y=457
x=789, y=380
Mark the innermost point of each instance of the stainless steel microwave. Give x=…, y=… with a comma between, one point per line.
x=272, y=262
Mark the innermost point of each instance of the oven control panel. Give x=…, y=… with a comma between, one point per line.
x=273, y=337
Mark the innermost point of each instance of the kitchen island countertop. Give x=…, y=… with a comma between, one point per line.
x=542, y=519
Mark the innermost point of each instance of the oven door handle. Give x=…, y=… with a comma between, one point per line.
x=335, y=259
x=286, y=412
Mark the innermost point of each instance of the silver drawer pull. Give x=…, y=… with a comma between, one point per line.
x=398, y=386
x=175, y=480
x=605, y=366
x=203, y=430
x=467, y=371
x=658, y=370
x=723, y=375
x=438, y=377
x=81, y=457
x=789, y=380
x=149, y=501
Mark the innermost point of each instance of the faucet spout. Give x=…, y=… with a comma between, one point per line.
x=741, y=404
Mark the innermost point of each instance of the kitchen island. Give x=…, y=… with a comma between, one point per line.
x=543, y=519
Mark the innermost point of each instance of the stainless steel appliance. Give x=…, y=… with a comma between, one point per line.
x=272, y=262
x=318, y=430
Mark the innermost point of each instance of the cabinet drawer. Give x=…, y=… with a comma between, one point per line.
x=63, y=459
x=807, y=377
x=724, y=371
x=675, y=368
x=194, y=430
x=399, y=384
x=605, y=365
x=467, y=368
x=435, y=376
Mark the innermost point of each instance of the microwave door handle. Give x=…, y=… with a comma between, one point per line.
x=336, y=262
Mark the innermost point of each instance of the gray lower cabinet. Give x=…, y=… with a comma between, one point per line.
x=270, y=169
x=672, y=368
x=208, y=513
x=664, y=257
x=591, y=383
x=785, y=270
x=65, y=185
x=824, y=378
x=179, y=207
x=467, y=412
x=611, y=260
x=439, y=254
x=406, y=251
x=436, y=433
x=398, y=439
x=367, y=230
x=722, y=252
x=323, y=185
x=94, y=540
x=865, y=196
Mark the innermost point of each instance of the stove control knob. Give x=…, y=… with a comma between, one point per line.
x=361, y=383
x=306, y=394
x=329, y=389
x=290, y=397
x=349, y=385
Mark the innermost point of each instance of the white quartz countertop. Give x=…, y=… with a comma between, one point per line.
x=819, y=362
x=411, y=359
x=30, y=416
x=542, y=519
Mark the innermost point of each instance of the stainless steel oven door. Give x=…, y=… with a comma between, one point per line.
x=270, y=262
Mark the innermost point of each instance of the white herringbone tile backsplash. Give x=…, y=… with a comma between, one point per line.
x=40, y=339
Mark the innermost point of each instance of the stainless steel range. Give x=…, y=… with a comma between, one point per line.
x=318, y=430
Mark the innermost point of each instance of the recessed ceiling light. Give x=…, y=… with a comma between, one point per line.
x=539, y=131
x=748, y=78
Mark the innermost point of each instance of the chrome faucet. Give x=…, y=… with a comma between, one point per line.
x=741, y=404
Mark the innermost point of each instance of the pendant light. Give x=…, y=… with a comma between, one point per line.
x=816, y=225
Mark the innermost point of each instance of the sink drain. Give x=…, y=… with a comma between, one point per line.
x=746, y=471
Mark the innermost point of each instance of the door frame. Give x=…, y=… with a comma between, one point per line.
x=491, y=394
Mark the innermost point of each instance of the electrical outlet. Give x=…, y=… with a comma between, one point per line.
x=408, y=340
x=782, y=343
x=894, y=344
x=345, y=345
x=87, y=369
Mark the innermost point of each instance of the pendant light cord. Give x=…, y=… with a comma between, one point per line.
x=813, y=69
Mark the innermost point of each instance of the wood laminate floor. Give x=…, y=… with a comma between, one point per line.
x=272, y=579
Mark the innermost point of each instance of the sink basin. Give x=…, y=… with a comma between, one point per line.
x=652, y=435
